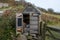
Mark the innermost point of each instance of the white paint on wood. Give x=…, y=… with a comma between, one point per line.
x=19, y=15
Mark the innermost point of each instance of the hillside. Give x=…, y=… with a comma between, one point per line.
x=51, y=19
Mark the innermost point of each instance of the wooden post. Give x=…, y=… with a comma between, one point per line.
x=40, y=31
x=43, y=30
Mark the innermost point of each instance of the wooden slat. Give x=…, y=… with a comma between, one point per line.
x=54, y=29
x=52, y=37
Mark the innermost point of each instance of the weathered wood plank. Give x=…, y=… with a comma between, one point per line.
x=54, y=29
x=52, y=37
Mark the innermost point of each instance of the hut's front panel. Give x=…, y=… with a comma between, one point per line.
x=33, y=23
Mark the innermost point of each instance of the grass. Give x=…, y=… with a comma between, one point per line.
x=53, y=23
x=54, y=15
x=5, y=8
x=57, y=16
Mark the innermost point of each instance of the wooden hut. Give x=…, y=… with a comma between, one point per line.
x=31, y=17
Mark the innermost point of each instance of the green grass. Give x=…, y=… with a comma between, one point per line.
x=4, y=8
x=53, y=23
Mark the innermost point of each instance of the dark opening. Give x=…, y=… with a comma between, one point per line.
x=26, y=18
x=19, y=21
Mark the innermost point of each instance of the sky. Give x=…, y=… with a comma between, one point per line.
x=54, y=4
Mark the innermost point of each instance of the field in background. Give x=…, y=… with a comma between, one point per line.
x=52, y=19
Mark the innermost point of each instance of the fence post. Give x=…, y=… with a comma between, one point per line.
x=40, y=31
x=43, y=30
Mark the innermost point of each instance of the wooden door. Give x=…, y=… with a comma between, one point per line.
x=34, y=23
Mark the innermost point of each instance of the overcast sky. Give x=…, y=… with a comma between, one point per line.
x=54, y=4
